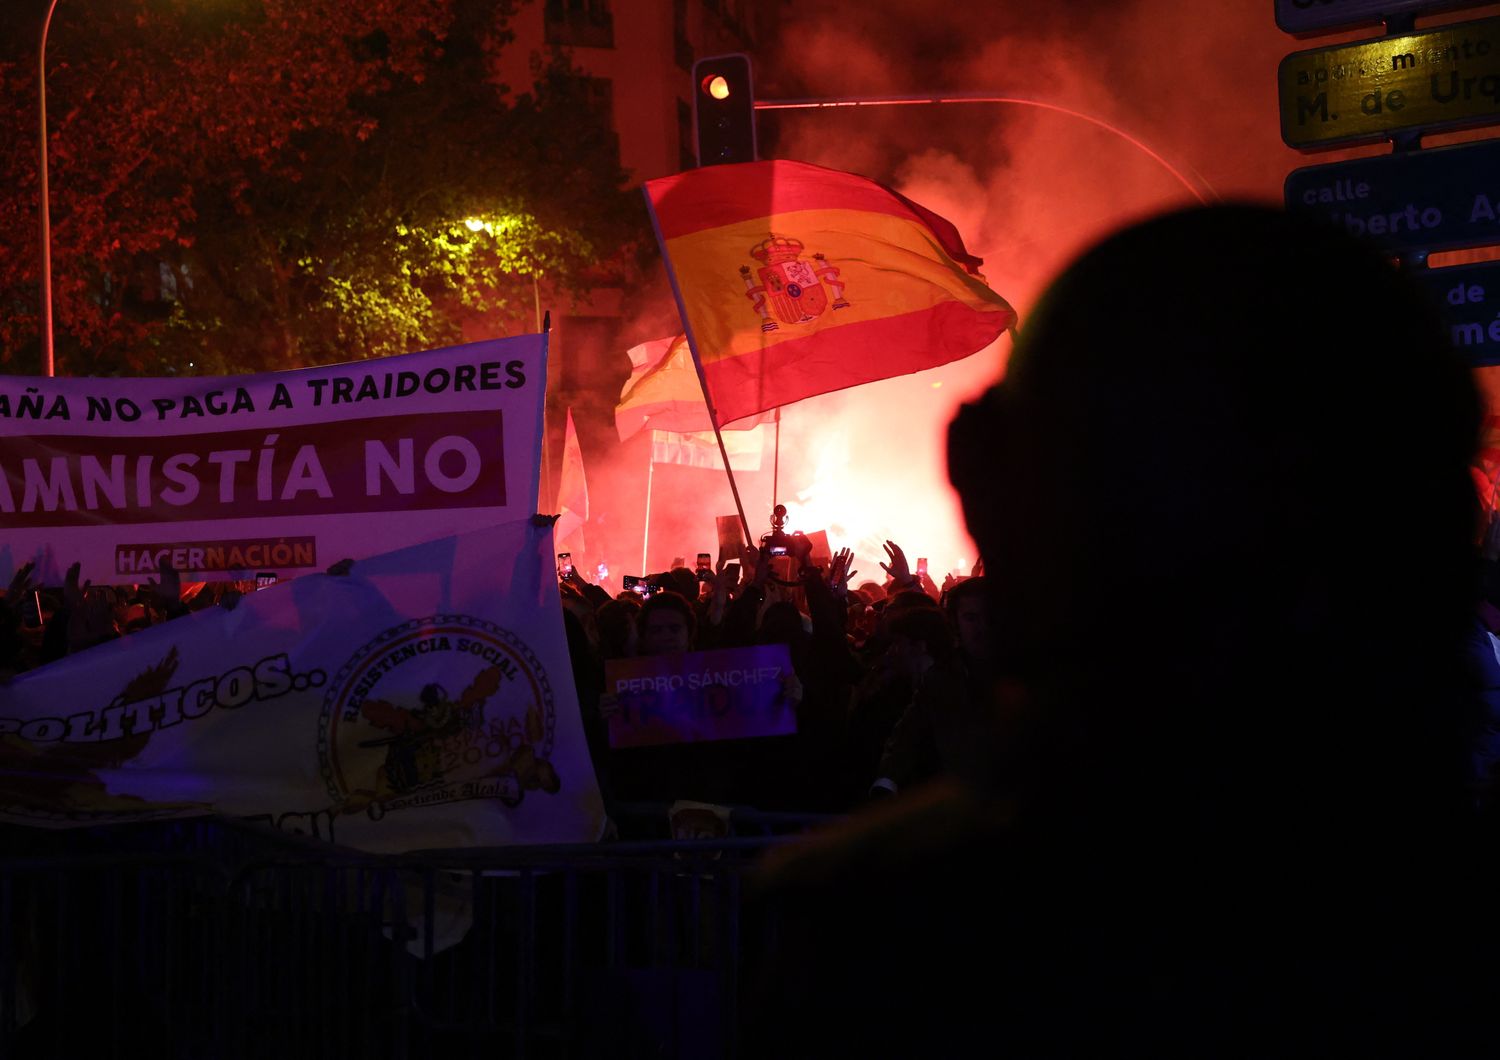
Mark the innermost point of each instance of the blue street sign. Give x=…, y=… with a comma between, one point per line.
x=1468, y=296
x=1444, y=199
x=1304, y=16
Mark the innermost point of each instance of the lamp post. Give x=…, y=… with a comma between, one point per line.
x=48, y=366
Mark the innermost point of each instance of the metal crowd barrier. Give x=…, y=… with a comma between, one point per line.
x=217, y=939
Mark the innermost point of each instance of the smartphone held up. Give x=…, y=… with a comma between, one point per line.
x=638, y=585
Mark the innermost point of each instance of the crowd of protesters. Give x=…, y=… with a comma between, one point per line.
x=860, y=654
x=40, y=624
x=874, y=666
x=890, y=683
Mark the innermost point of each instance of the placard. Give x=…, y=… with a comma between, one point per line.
x=731, y=537
x=727, y=694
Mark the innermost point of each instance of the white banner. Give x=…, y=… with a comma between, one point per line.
x=425, y=700
x=282, y=473
x=701, y=448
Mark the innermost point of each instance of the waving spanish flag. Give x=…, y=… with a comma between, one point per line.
x=795, y=280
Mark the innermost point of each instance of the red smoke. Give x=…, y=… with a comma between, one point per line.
x=1028, y=189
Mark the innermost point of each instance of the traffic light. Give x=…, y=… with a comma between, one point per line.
x=724, y=109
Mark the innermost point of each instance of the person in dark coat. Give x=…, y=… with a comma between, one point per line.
x=1224, y=506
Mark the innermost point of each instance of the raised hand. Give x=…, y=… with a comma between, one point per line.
x=897, y=568
x=718, y=582
x=91, y=615
x=928, y=586
x=20, y=582
x=72, y=593
x=14, y=603
x=757, y=563
x=168, y=593
x=839, y=574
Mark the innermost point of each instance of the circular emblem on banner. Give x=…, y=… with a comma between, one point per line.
x=435, y=710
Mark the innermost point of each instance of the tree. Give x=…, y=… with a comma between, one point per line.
x=242, y=185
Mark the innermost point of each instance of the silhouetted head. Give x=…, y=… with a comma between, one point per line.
x=1223, y=500
x=919, y=637
x=679, y=580
x=782, y=624
x=667, y=624
x=617, y=627
x=968, y=607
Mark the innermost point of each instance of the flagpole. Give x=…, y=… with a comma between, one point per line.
x=544, y=328
x=776, y=460
x=687, y=328
x=541, y=428
x=646, y=530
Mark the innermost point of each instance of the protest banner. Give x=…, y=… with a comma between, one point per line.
x=701, y=449
x=728, y=694
x=424, y=700
x=281, y=472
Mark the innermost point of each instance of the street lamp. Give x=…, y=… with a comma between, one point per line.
x=46, y=211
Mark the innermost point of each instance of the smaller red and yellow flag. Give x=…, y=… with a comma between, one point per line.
x=795, y=280
x=663, y=392
x=572, y=492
